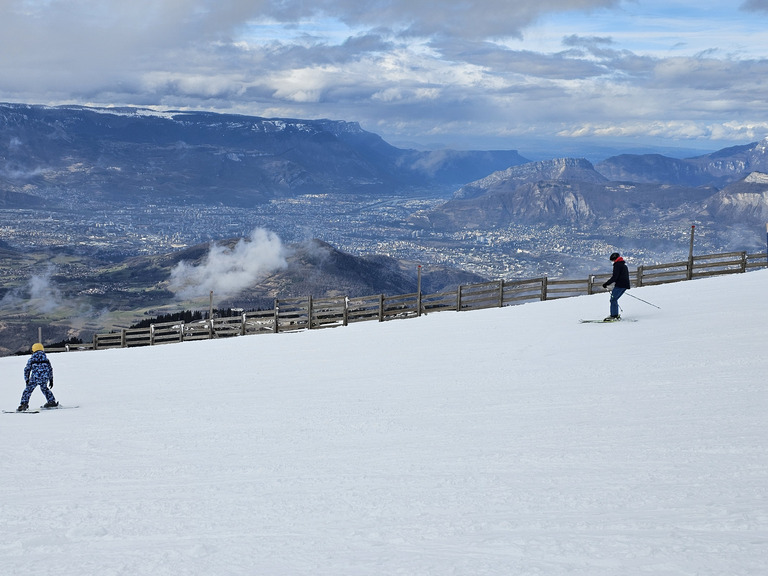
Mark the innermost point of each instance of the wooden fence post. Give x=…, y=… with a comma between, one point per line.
x=458, y=298
x=640, y=275
x=381, y=307
x=346, y=311
x=309, y=312
x=544, y=288
x=210, y=315
x=743, y=262
x=690, y=255
x=277, y=316
x=418, y=290
x=501, y=293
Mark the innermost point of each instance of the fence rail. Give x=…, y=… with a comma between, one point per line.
x=310, y=313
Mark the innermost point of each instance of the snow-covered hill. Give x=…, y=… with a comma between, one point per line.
x=498, y=442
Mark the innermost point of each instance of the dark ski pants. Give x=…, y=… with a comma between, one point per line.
x=31, y=385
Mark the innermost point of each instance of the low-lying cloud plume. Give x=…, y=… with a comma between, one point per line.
x=227, y=271
x=40, y=294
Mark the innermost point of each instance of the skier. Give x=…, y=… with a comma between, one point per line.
x=620, y=281
x=38, y=372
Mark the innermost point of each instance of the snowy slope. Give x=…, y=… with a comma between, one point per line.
x=499, y=442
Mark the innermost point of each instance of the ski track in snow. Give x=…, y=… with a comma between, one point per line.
x=495, y=442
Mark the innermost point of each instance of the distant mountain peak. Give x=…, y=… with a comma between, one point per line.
x=558, y=169
x=716, y=169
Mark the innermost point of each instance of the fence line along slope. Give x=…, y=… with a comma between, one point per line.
x=311, y=313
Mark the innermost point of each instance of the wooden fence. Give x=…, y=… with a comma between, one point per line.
x=311, y=313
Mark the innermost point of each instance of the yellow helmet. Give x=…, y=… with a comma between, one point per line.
x=37, y=347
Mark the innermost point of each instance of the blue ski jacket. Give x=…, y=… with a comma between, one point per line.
x=38, y=369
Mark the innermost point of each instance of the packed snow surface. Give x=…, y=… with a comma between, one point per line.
x=509, y=441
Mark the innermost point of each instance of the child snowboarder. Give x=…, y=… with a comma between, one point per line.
x=38, y=372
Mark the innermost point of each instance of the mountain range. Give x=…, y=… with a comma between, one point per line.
x=728, y=186
x=116, y=156
x=139, y=156
x=716, y=169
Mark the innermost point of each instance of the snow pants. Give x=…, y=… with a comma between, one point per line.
x=31, y=385
x=615, y=295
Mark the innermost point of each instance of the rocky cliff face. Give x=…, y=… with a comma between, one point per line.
x=559, y=169
x=744, y=202
x=561, y=191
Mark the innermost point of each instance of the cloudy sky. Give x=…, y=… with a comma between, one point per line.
x=458, y=73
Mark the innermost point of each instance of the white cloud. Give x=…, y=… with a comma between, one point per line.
x=756, y=5
x=467, y=70
x=227, y=271
x=40, y=293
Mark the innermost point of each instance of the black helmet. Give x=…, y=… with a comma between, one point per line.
x=614, y=256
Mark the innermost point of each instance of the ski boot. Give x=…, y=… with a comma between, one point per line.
x=22, y=408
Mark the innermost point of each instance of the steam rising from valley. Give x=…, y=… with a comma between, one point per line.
x=40, y=294
x=228, y=270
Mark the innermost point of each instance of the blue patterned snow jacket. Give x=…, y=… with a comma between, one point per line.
x=38, y=372
x=38, y=369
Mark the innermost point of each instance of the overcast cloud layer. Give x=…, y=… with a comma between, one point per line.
x=483, y=74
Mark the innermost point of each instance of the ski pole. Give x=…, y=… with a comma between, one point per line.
x=641, y=300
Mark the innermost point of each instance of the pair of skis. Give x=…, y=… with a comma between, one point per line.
x=608, y=321
x=37, y=411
